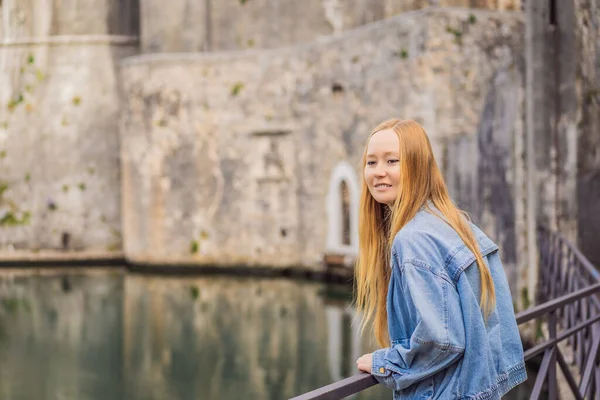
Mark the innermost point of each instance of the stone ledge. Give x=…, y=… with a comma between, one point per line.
x=72, y=40
x=47, y=256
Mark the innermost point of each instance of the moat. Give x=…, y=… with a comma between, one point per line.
x=108, y=334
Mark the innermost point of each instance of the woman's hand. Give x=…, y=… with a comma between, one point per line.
x=365, y=363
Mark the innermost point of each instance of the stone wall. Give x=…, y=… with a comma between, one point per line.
x=587, y=16
x=227, y=158
x=249, y=137
x=564, y=105
x=59, y=149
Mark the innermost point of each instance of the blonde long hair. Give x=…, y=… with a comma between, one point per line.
x=420, y=181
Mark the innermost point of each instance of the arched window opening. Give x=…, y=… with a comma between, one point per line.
x=345, y=197
x=342, y=211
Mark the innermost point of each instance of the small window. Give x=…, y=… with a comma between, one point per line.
x=342, y=211
x=552, y=12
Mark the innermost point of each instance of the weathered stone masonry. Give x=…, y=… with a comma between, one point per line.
x=59, y=146
x=234, y=152
x=238, y=157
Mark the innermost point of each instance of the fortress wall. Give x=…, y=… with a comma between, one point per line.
x=587, y=17
x=227, y=157
x=59, y=150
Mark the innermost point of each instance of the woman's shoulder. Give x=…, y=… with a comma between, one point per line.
x=425, y=238
x=430, y=239
x=422, y=226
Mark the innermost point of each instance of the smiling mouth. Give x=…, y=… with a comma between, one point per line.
x=382, y=185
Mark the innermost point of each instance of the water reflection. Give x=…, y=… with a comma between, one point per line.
x=60, y=337
x=114, y=336
x=110, y=336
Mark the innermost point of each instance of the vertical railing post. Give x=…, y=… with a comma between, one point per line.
x=554, y=265
x=552, y=395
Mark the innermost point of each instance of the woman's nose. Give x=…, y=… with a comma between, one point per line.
x=380, y=171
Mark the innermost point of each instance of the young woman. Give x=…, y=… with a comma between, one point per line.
x=431, y=282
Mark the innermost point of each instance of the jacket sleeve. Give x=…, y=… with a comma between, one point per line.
x=429, y=306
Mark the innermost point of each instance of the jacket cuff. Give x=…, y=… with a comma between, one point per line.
x=378, y=368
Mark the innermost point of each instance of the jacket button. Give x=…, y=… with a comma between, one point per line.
x=381, y=370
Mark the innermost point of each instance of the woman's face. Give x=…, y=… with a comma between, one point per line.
x=382, y=168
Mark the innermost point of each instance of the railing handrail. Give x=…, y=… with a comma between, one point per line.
x=552, y=305
x=585, y=263
x=340, y=389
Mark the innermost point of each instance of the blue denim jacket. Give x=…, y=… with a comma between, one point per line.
x=441, y=346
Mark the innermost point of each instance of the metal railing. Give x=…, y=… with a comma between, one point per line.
x=569, y=291
x=564, y=269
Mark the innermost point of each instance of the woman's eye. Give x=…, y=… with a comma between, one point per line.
x=370, y=162
x=392, y=161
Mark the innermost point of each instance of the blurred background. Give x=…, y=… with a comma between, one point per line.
x=179, y=181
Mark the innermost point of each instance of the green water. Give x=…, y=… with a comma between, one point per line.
x=109, y=335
